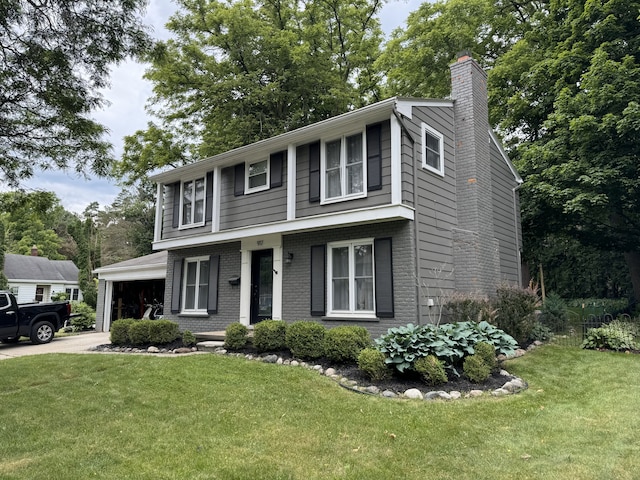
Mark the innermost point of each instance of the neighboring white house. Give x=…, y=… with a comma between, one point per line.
x=35, y=279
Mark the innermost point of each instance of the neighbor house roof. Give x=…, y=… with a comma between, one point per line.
x=41, y=269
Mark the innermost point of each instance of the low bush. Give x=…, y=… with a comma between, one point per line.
x=475, y=368
x=236, y=336
x=541, y=333
x=305, y=339
x=373, y=365
x=431, y=370
x=344, y=344
x=467, y=307
x=119, y=332
x=140, y=332
x=617, y=336
x=188, y=339
x=554, y=313
x=86, y=316
x=515, y=311
x=162, y=332
x=487, y=352
x=270, y=335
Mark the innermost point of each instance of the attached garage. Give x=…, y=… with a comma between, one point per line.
x=126, y=288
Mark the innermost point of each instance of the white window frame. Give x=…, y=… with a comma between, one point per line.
x=72, y=292
x=343, y=168
x=426, y=129
x=260, y=188
x=198, y=261
x=352, y=312
x=204, y=203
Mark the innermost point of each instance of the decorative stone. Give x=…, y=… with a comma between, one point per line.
x=280, y=361
x=514, y=385
x=500, y=392
x=389, y=394
x=221, y=351
x=455, y=394
x=475, y=393
x=329, y=372
x=318, y=368
x=413, y=393
x=294, y=363
x=441, y=395
x=270, y=359
x=372, y=389
x=504, y=373
x=183, y=350
x=153, y=349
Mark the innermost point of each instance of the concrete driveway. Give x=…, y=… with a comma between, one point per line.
x=70, y=344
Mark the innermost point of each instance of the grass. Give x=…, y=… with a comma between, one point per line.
x=213, y=417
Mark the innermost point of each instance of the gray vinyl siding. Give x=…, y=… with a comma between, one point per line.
x=503, y=217
x=436, y=213
x=407, y=166
x=228, y=295
x=374, y=198
x=296, y=303
x=251, y=208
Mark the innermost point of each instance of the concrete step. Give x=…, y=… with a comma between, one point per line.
x=209, y=345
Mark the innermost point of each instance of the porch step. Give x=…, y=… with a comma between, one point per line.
x=209, y=345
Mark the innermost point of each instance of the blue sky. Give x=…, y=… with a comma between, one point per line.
x=126, y=113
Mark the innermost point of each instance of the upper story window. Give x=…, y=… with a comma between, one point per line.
x=344, y=168
x=351, y=278
x=196, y=284
x=257, y=176
x=192, y=200
x=432, y=150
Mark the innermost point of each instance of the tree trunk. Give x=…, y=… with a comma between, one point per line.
x=633, y=262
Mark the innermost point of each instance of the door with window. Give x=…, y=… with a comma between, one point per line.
x=261, y=285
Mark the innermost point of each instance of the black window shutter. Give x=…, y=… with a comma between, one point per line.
x=314, y=172
x=209, y=200
x=384, y=277
x=239, y=180
x=318, y=279
x=176, y=205
x=374, y=157
x=176, y=287
x=214, y=274
x=276, y=166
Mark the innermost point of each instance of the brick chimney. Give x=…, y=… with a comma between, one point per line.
x=34, y=251
x=476, y=260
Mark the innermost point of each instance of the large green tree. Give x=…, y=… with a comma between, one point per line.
x=239, y=71
x=568, y=96
x=55, y=57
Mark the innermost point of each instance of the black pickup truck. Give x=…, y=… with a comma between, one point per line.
x=38, y=321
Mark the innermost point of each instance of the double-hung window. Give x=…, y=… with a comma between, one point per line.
x=193, y=202
x=196, y=284
x=344, y=167
x=432, y=150
x=351, y=278
x=257, y=176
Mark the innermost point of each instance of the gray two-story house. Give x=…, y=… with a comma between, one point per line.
x=367, y=218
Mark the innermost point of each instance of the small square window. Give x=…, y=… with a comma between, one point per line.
x=257, y=176
x=432, y=150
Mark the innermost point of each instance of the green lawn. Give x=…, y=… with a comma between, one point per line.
x=210, y=417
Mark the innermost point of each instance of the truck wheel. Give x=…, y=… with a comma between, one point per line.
x=9, y=340
x=42, y=332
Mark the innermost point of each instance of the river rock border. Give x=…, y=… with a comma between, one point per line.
x=511, y=386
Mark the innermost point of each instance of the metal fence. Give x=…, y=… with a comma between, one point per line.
x=573, y=331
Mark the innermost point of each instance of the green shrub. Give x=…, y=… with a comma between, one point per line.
x=305, y=339
x=140, y=332
x=162, y=332
x=617, y=336
x=555, y=313
x=86, y=318
x=372, y=363
x=236, y=336
x=188, y=339
x=476, y=369
x=344, y=344
x=119, y=332
x=487, y=352
x=431, y=370
x=541, y=332
x=515, y=311
x=466, y=307
x=270, y=335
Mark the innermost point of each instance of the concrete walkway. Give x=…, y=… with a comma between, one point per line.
x=69, y=344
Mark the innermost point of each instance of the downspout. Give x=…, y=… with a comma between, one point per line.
x=416, y=229
x=517, y=236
